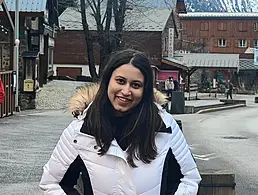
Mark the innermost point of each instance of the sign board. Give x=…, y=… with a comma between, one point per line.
x=51, y=42
x=171, y=35
x=28, y=85
x=163, y=75
x=256, y=56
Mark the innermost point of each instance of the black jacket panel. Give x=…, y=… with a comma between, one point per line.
x=71, y=176
x=171, y=175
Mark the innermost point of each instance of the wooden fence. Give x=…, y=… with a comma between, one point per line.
x=7, y=107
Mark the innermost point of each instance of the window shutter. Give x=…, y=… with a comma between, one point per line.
x=249, y=43
x=228, y=43
x=236, y=43
x=240, y=26
x=215, y=42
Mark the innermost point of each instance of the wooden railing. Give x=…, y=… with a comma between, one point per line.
x=7, y=107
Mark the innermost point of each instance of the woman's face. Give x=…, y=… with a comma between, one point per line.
x=125, y=88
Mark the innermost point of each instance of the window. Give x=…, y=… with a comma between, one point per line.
x=242, y=26
x=256, y=43
x=166, y=44
x=222, y=43
x=50, y=58
x=242, y=43
x=222, y=26
x=204, y=26
x=255, y=27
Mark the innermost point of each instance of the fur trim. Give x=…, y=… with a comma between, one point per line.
x=85, y=95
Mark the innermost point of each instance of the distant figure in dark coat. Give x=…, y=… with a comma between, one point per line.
x=230, y=90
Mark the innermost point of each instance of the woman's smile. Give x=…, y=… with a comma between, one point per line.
x=125, y=89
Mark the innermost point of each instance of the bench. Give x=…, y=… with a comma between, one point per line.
x=213, y=90
x=193, y=91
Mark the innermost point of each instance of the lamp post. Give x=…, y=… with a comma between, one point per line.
x=16, y=56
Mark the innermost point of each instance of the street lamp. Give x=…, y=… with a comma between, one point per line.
x=16, y=56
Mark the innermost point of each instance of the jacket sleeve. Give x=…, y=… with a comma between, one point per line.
x=191, y=177
x=59, y=164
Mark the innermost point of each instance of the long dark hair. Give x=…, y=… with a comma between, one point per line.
x=144, y=121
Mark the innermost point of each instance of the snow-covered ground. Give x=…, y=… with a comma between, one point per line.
x=56, y=94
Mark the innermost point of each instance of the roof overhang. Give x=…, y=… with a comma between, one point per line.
x=6, y=12
x=247, y=65
x=203, y=61
x=175, y=63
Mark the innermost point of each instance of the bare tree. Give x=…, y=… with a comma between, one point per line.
x=108, y=39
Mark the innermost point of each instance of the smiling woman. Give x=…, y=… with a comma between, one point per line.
x=122, y=139
x=125, y=89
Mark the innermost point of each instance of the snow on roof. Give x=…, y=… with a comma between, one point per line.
x=208, y=60
x=219, y=14
x=147, y=19
x=27, y=5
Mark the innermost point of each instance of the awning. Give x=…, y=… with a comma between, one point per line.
x=247, y=64
x=206, y=60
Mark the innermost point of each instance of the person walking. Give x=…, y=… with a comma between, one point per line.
x=230, y=90
x=121, y=141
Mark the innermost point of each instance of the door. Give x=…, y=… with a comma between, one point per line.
x=69, y=71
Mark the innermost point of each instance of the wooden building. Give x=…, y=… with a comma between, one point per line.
x=6, y=59
x=218, y=32
x=148, y=32
x=38, y=20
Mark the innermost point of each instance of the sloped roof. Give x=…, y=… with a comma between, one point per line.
x=27, y=5
x=247, y=64
x=208, y=60
x=219, y=15
x=144, y=19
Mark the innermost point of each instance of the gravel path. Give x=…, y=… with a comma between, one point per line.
x=56, y=94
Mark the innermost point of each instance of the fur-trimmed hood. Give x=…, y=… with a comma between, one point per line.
x=85, y=95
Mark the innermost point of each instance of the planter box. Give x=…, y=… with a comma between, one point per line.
x=217, y=184
x=256, y=100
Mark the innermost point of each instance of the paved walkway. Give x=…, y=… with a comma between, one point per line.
x=205, y=100
x=26, y=143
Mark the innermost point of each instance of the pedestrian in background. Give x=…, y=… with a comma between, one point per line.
x=229, y=90
x=169, y=86
x=2, y=92
x=123, y=142
x=176, y=85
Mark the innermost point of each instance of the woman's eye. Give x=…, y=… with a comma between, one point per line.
x=136, y=85
x=120, y=81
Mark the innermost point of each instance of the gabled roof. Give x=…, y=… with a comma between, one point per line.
x=208, y=60
x=144, y=19
x=27, y=5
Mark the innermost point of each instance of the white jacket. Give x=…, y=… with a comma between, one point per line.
x=110, y=174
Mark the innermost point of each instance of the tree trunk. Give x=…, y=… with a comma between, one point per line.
x=105, y=38
x=89, y=42
x=119, y=12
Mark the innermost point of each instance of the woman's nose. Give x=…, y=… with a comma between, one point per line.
x=126, y=90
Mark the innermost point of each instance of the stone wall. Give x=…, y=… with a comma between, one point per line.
x=27, y=100
x=5, y=48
